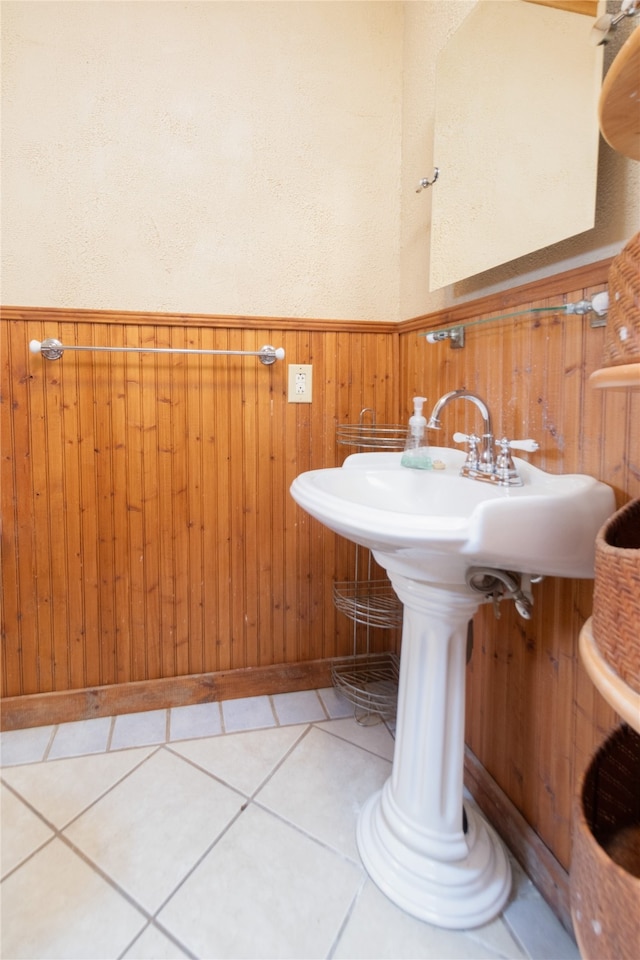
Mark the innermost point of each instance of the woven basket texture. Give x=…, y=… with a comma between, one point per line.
x=622, y=342
x=616, y=594
x=605, y=896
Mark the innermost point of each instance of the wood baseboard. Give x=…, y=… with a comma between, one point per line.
x=547, y=874
x=40, y=709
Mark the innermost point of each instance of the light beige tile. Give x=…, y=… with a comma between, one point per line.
x=334, y=703
x=21, y=831
x=24, y=746
x=149, y=831
x=61, y=789
x=80, y=737
x=55, y=906
x=322, y=785
x=302, y=706
x=139, y=729
x=195, y=720
x=249, y=713
x=375, y=738
x=242, y=760
x=377, y=928
x=522, y=887
x=153, y=944
x=539, y=931
x=265, y=890
x=496, y=936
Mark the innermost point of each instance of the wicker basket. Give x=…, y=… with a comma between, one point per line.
x=605, y=861
x=616, y=596
x=622, y=343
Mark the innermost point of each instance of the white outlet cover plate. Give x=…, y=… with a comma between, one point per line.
x=300, y=382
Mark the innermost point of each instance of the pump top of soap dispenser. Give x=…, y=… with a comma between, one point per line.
x=417, y=423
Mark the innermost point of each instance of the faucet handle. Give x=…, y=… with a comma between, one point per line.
x=473, y=458
x=466, y=438
x=505, y=469
x=529, y=445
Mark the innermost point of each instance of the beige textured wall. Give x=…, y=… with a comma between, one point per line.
x=254, y=158
x=428, y=25
x=203, y=157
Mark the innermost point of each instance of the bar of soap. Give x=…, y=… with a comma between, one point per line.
x=439, y=465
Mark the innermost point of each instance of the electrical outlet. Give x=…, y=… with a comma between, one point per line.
x=300, y=377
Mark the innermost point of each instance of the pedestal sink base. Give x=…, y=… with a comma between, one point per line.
x=455, y=894
x=411, y=834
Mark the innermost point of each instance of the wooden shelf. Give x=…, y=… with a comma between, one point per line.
x=622, y=377
x=624, y=700
x=619, y=105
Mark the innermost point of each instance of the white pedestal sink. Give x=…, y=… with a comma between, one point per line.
x=426, y=529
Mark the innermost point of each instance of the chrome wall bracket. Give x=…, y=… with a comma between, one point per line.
x=454, y=334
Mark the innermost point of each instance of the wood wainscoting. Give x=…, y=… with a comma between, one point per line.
x=148, y=532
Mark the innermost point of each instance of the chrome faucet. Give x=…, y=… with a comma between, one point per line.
x=481, y=463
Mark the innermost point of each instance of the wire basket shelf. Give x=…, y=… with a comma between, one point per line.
x=368, y=435
x=370, y=682
x=372, y=602
x=375, y=436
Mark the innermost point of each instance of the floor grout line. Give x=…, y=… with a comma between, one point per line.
x=112, y=728
x=158, y=925
x=322, y=704
x=47, y=749
x=170, y=748
x=274, y=711
x=223, y=729
x=199, y=860
x=305, y=833
x=347, y=917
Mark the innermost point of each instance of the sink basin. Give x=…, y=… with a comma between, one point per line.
x=436, y=524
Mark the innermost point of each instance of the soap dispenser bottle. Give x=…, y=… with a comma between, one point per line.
x=416, y=451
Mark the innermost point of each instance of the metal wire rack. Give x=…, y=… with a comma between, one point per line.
x=386, y=436
x=373, y=602
x=366, y=434
x=369, y=681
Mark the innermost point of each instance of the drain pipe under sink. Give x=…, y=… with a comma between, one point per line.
x=497, y=585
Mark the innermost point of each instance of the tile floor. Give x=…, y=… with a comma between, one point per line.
x=218, y=830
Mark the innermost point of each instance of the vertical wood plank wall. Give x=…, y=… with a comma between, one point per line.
x=148, y=532
x=533, y=716
x=147, y=526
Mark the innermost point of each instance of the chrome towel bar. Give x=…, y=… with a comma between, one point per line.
x=52, y=349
